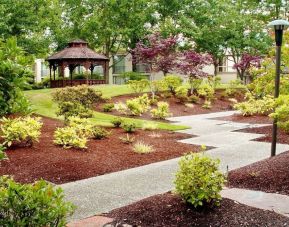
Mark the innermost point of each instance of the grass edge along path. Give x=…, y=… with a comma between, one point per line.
x=43, y=105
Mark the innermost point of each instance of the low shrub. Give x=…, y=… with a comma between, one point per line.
x=207, y=105
x=172, y=82
x=24, y=130
x=182, y=93
x=149, y=126
x=117, y=122
x=193, y=99
x=214, y=81
x=127, y=139
x=162, y=111
x=82, y=94
x=121, y=108
x=3, y=155
x=99, y=133
x=281, y=113
x=69, y=137
x=37, y=204
x=256, y=106
x=233, y=87
x=206, y=90
x=128, y=127
x=108, y=107
x=142, y=148
x=69, y=109
x=139, y=105
x=194, y=84
x=81, y=125
x=138, y=86
x=76, y=101
x=134, y=107
x=198, y=180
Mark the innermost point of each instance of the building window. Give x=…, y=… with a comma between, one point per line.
x=118, y=64
x=142, y=68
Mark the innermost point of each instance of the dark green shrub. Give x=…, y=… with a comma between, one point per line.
x=117, y=122
x=37, y=204
x=69, y=109
x=198, y=180
x=15, y=71
x=83, y=95
x=193, y=99
x=108, y=107
x=99, y=133
x=129, y=127
x=132, y=76
x=3, y=155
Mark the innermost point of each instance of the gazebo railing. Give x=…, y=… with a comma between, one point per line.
x=66, y=83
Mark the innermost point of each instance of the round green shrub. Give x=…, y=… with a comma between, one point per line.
x=37, y=204
x=198, y=180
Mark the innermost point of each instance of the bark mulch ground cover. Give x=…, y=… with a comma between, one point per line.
x=259, y=119
x=180, y=109
x=269, y=175
x=58, y=165
x=169, y=210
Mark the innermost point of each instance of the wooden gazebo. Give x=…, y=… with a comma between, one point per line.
x=76, y=54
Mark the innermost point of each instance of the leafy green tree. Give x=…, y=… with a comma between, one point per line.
x=32, y=22
x=15, y=68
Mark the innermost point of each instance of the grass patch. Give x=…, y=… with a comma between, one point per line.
x=42, y=104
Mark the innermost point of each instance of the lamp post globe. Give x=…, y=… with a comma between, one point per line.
x=279, y=26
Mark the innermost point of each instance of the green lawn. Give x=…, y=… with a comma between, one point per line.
x=42, y=104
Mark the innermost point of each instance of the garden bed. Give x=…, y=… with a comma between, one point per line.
x=169, y=210
x=58, y=165
x=258, y=119
x=177, y=108
x=269, y=175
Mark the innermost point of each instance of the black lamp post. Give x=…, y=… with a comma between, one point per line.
x=279, y=26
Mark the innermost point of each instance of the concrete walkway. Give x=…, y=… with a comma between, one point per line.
x=103, y=193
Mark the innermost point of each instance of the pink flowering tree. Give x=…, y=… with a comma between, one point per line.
x=247, y=61
x=158, y=53
x=191, y=64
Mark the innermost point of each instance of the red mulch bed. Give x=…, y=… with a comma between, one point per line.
x=58, y=165
x=269, y=175
x=169, y=210
x=267, y=130
x=259, y=119
x=177, y=108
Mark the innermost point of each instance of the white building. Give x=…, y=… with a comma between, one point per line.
x=123, y=63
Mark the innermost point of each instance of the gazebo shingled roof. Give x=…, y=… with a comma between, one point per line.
x=77, y=54
x=77, y=49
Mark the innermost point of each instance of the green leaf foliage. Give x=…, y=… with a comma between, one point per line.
x=198, y=180
x=37, y=204
x=23, y=130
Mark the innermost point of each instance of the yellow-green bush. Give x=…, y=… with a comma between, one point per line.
x=162, y=111
x=20, y=130
x=198, y=180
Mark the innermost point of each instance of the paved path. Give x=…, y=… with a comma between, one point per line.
x=103, y=193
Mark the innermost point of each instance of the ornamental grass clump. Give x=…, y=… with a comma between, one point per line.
x=142, y=148
x=38, y=204
x=21, y=130
x=199, y=181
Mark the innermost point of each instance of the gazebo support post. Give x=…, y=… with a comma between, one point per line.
x=106, y=72
x=50, y=76
x=71, y=68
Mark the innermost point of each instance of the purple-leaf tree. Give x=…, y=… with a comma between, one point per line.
x=191, y=64
x=158, y=53
x=247, y=61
